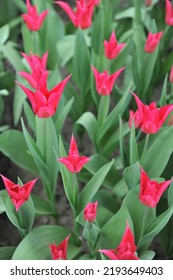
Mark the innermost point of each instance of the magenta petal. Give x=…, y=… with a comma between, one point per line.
x=162, y=187
x=67, y=9
x=67, y=163
x=8, y=184
x=41, y=18
x=82, y=161
x=45, y=112
x=29, y=78
x=110, y=254
x=149, y=127
x=30, y=95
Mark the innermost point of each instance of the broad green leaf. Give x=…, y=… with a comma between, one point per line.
x=112, y=232
x=13, y=141
x=35, y=246
x=132, y=175
x=12, y=56
x=158, y=153
x=147, y=255
x=89, y=122
x=65, y=48
x=4, y=34
x=42, y=207
x=81, y=62
x=63, y=115
x=97, y=35
x=93, y=185
x=6, y=252
x=4, y=92
x=132, y=202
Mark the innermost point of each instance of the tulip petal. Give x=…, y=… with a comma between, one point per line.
x=67, y=9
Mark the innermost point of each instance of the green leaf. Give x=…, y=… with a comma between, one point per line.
x=13, y=141
x=132, y=202
x=4, y=92
x=132, y=175
x=35, y=245
x=65, y=48
x=93, y=185
x=133, y=145
x=6, y=252
x=112, y=232
x=42, y=207
x=97, y=35
x=4, y=34
x=159, y=151
x=147, y=255
x=81, y=62
x=89, y=122
x=63, y=115
x=157, y=225
x=12, y=55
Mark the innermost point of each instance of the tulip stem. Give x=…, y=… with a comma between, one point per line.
x=145, y=145
x=144, y=222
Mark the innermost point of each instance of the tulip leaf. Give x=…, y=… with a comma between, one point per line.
x=4, y=34
x=35, y=245
x=12, y=56
x=65, y=48
x=162, y=142
x=89, y=122
x=6, y=252
x=147, y=255
x=13, y=141
x=81, y=62
x=112, y=232
x=62, y=115
x=132, y=175
x=93, y=185
x=97, y=35
x=133, y=146
x=156, y=225
x=42, y=207
x=132, y=202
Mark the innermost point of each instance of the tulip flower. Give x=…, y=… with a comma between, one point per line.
x=126, y=249
x=148, y=117
x=59, y=252
x=44, y=102
x=152, y=41
x=90, y=212
x=74, y=162
x=82, y=17
x=104, y=81
x=112, y=48
x=148, y=3
x=18, y=194
x=32, y=19
x=150, y=190
x=38, y=67
x=169, y=13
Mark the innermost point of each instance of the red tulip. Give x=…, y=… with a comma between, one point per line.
x=44, y=102
x=59, y=252
x=82, y=17
x=74, y=162
x=32, y=19
x=171, y=75
x=152, y=41
x=38, y=67
x=169, y=13
x=148, y=117
x=18, y=194
x=104, y=81
x=90, y=212
x=150, y=190
x=148, y=3
x=112, y=48
x=126, y=249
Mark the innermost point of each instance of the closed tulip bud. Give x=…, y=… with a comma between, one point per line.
x=169, y=13
x=90, y=212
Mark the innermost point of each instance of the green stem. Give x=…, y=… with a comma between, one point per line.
x=145, y=145
x=144, y=222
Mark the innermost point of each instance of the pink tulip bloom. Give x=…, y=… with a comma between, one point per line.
x=126, y=249
x=59, y=252
x=90, y=212
x=148, y=117
x=44, y=102
x=152, y=41
x=82, y=17
x=148, y=3
x=18, y=194
x=38, y=67
x=171, y=75
x=169, y=13
x=150, y=190
x=74, y=162
x=112, y=48
x=104, y=81
x=32, y=19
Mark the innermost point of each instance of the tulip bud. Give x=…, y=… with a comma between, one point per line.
x=148, y=3
x=90, y=212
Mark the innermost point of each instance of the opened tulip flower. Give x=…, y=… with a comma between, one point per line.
x=104, y=81
x=59, y=252
x=82, y=17
x=148, y=117
x=32, y=19
x=44, y=102
x=18, y=194
x=169, y=13
x=112, y=48
x=90, y=212
x=74, y=162
x=38, y=67
x=126, y=249
x=152, y=41
x=150, y=190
